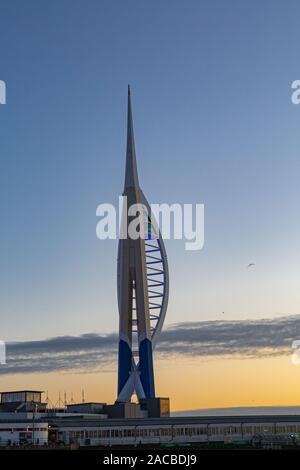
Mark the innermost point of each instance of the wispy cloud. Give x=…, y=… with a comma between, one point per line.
x=91, y=352
x=83, y=353
x=250, y=338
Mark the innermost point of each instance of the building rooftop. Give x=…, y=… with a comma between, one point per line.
x=170, y=421
x=22, y=391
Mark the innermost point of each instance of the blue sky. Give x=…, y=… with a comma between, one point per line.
x=214, y=123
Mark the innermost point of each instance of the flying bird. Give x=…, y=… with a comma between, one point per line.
x=250, y=265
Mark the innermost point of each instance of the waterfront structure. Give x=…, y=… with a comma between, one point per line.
x=15, y=430
x=198, y=430
x=84, y=430
x=143, y=287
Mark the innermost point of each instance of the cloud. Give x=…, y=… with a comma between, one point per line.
x=245, y=338
x=85, y=353
x=93, y=352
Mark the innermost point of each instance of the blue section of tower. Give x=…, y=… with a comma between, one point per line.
x=146, y=368
x=125, y=364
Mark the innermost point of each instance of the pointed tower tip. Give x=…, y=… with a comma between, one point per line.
x=131, y=175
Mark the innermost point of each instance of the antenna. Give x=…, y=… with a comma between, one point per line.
x=50, y=404
x=60, y=403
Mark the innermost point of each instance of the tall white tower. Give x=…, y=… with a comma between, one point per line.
x=143, y=288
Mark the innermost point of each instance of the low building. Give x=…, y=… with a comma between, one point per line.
x=89, y=408
x=199, y=431
x=22, y=401
x=26, y=431
x=25, y=420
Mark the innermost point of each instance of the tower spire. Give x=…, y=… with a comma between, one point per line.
x=131, y=174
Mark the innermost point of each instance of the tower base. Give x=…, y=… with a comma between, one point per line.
x=156, y=407
x=146, y=408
